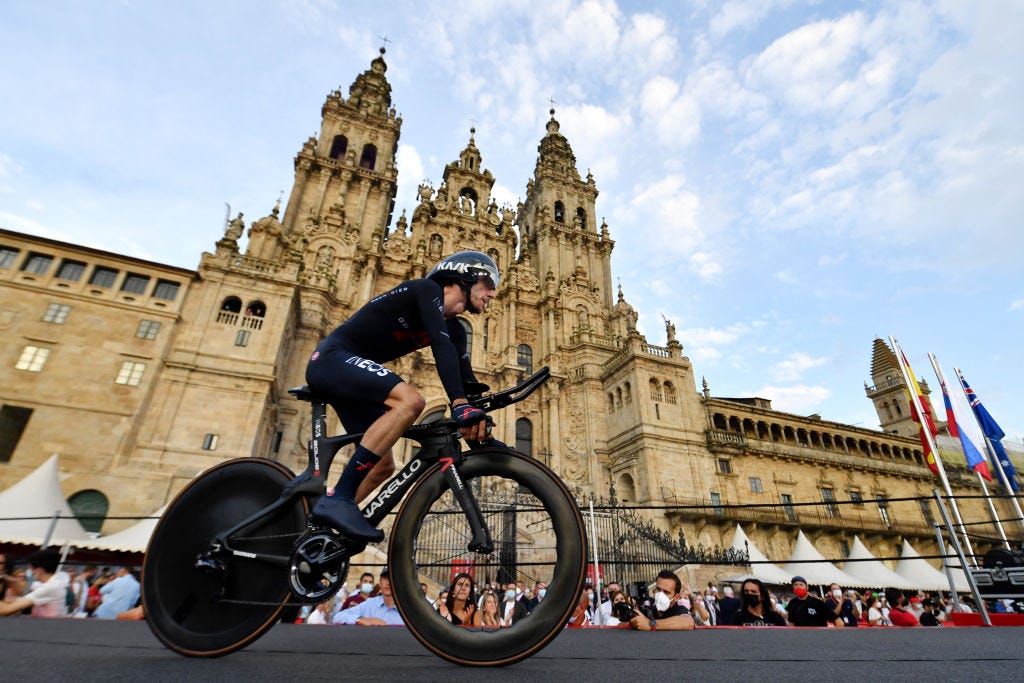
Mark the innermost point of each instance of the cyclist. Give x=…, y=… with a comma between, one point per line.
x=346, y=369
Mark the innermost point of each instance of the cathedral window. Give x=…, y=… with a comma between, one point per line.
x=37, y=264
x=582, y=215
x=524, y=436
x=103, y=277
x=524, y=358
x=148, y=329
x=670, y=393
x=135, y=283
x=242, y=338
x=130, y=373
x=559, y=212
x=165, y=289
x=339, y=147
x=655, y=390
x=90, y=508
x=469, y=336
x=232, y=305
x=210, y=442
x=71, y=270
x=611, y=403
x=257, y=309
x=13, y=421
x=56, y=313
x=627, y=395
x=32, y=358
x=8, y=256
x=896, y=405
x=369, y=157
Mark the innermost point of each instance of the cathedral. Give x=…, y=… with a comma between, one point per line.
x=140, y=375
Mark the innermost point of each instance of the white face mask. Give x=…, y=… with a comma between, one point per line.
x=510, y=595
x=837, y=594
x=661, y=602
x=541, y=592
x=366, y=588
x=685, y=602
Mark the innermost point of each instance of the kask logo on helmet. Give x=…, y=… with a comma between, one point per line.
x=463, y=267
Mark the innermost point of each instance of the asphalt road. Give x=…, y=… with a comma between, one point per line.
x=90, y=650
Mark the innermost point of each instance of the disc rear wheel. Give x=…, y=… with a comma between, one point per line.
x=231, y=600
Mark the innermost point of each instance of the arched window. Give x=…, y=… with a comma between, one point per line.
x=582, y=215
x=625, y=489
x=469, y=336
x=369, y=157
x=655, y=390
x=467, y=200
x=896, y=405
x=524, y=436
x=232, y=305
x=628, y=398
x=611, y=402
x=559, y=212
x=670, y=393
x=256, y=309
x=524, y=358
x=90, y=507
x=338, y=147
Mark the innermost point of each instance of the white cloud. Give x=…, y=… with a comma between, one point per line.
x=705, y=266
x=793, y=368
x=1017, y=305
x=741, y=15
x=410, y=173
x=798, y=399
x=786, y=277
x=674, y=114
x=671, y=211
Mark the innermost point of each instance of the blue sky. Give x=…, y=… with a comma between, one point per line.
x=784, y=180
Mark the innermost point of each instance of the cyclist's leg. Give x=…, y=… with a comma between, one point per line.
x=368, y=398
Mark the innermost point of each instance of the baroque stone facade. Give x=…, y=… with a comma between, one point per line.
x=620, y=413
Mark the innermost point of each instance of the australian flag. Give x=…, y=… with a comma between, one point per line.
x=993, y=432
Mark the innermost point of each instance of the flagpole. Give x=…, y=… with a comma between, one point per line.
x=951, y=414
x=915, y=400
x=993, y=456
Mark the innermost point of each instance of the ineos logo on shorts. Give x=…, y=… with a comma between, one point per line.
x=316, y=354
x=369, y=366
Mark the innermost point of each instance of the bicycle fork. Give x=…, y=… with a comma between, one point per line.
x=481, y=541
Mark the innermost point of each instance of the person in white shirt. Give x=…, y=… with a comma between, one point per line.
x=49, y=592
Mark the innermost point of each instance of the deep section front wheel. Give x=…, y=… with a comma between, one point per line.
x=538, y=534
x=224, y=605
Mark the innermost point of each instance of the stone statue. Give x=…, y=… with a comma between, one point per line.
x=235, y=228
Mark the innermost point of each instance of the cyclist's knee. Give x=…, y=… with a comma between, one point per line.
x=405, y=398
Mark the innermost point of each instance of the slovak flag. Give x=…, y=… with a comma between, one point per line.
x=961, y=423
x=993, y=431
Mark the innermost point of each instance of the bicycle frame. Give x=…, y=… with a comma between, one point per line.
x=439, y=442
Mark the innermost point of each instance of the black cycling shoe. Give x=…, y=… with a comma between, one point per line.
x=344, y=515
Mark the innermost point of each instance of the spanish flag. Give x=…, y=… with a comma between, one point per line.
x=928, y=422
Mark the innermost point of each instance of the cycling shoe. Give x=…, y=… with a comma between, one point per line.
x=344, y=515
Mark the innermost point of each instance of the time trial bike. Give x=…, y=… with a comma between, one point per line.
x=237, y=545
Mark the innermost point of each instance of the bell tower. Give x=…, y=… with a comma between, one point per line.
x=889, y=393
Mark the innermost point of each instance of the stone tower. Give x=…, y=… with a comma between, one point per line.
x=889, y=393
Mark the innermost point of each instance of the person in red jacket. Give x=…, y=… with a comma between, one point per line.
x=899, y=615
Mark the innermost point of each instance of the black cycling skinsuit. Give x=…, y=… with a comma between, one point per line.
x=346, y=366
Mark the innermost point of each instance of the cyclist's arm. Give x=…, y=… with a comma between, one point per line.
x=429, y=297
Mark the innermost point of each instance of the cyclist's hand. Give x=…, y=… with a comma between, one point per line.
x=474, y=424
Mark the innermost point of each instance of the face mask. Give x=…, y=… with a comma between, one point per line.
x=510, y=595
x=366, y=588
x=518, y=593
x=685, y=602
x=800, y=592
x=661, y=602
x=751, y=600
x=709, y=598
x=542, y=592
x=837, y=594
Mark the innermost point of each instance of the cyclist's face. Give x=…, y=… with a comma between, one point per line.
x=481, y=294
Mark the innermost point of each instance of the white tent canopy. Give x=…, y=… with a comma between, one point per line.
x=807, y=562
x=760, y=567
x=922, y=575
x=870, y=570
x=38, y=495
x=134, y=539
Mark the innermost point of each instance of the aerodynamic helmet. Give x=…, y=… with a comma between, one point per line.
x=466, y=267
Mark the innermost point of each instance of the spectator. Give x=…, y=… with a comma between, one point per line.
x=319, y=614
x=460, y=606
x=426, y=594
x=844, y=606
x=488, y=615
x=11, y=584
x=81, y=588
x=727, y=606
x=875, y=615
x=119, y=595
x=538, y=596
x=668, y=615
x=932, y=614
x=606, y=606
x=614, y=599
x=698, y=608
x=49, y=589
x=756, y=607
x=899, y=615
x=582, y=616
x=512, y=610
x=379, y=610
x=366, y=591
x=808, y=610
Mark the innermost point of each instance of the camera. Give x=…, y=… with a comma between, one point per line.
x=622, y=611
